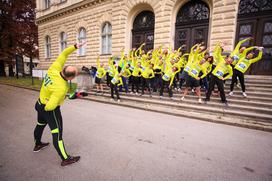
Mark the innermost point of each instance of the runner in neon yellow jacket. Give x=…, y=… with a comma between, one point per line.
x=242, y=66
x=54, y=87
x=52, y=95
x=244, y=63
x=100, y=73
x=238, y=51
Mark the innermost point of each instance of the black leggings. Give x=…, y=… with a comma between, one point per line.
x=114, y=88
x=136, y=82
x=146, y=83
x=54, y=121
x=240, y=75
x=166, y=84
x=220, y=84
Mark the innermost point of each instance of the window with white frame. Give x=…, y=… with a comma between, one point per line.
x=47, y=4
x=82, y=38
x=106, y=38
x=47, y=47
x=63, y=41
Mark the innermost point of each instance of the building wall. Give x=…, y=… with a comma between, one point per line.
x=70, y=15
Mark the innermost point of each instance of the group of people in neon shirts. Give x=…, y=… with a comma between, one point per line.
x=161, y=69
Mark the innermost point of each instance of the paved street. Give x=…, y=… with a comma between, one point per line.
x=124, y=144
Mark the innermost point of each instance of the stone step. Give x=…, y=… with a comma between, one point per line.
x=259, y=77
x=262, y=114
x=222, y=118
x=237, y=97
x=252, y=85
x=250, y=93
x=240, y=101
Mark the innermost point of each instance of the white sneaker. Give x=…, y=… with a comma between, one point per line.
x=182, y=98
x=111, y=99
x=160, y=97
x=199, y=101
x=244, y=94
x=179, y=89
x=193, y=91
x=118, y=100
x=231, y=93
x=136, y=93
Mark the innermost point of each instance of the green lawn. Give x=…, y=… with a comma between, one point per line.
x=26, y=82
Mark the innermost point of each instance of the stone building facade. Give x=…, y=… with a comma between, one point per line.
x=209, y=20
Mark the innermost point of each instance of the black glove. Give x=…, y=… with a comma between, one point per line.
x=86, y=69
x=76, y=95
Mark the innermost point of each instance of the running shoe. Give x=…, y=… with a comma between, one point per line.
x=70, y=160
x=40, y=147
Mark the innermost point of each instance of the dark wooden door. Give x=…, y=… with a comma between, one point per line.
x=261, y=30
x=191, y=35
x=143, y=30
x=255, y=20
x=146, y=37
x=192, y=24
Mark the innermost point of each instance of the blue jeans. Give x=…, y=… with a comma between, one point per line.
x=125, y=85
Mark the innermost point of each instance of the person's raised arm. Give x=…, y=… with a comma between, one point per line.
x=259, y=57
x=237, y=47
x=60, y=61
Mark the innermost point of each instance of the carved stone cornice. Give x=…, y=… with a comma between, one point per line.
x=67, y=10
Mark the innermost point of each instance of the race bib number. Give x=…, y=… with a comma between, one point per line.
x=187, y=69
x=195, y=72
x=166, y=77
x=242, y=65
x=113, y=81
x=219, y=73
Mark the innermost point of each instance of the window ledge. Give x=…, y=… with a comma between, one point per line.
x=62, y=2
x=81, y=55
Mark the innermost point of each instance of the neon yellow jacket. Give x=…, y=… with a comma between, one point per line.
x=221, y=69
x=244, y=63
x=169, y=75
x=196, y=68
x=101, y=72
x=137, y=71
x=54, y=87
x=116, y=78
x=191, y=58
x=147, y=72
x=126, y=73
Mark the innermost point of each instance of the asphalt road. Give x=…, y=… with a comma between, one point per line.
x=124, y=144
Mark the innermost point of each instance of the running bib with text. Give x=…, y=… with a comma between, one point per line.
x=187, y=69
x=219, y=73
x=166, y=77
x=195, y=72
x=242, y=65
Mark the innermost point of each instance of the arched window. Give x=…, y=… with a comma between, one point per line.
x=47, y=47
x=106, y=38
x=63, y=41
x=255, y=20
x=192, y=24
x=82, y=38
x=46, y=4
